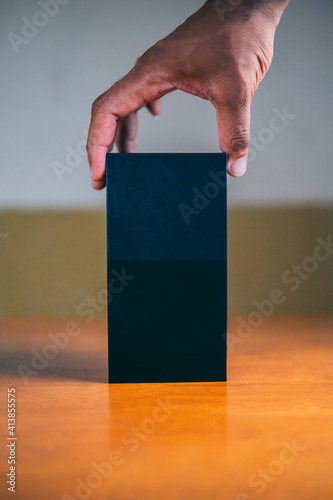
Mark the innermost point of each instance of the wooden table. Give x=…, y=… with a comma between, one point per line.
x=265, y=434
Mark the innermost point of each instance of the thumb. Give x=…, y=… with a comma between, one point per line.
x=233, y=122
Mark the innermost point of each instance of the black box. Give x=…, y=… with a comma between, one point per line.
x=167, y=267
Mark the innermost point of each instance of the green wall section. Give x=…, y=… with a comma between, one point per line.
x=280, y=259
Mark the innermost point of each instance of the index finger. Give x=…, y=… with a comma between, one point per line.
x=138, y=88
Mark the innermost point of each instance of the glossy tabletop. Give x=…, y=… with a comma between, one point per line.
x=265, y=434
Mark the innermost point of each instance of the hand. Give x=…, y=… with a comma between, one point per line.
x=218, y=54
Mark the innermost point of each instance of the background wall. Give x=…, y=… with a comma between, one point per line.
x=49, y=79
x=51, y=262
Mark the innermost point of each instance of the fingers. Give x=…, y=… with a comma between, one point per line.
x=127, y=128
x=233, y=121
x=98, y=184
x=126, y=133
x=101, y=134
x=237, y=167
x=155, y=107
x=140, y=86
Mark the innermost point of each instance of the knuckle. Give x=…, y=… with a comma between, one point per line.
x=152, y=56
x=98, y=104
x=146, y=58
x=239, y=139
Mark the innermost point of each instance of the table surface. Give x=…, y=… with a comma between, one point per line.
x=266, y=433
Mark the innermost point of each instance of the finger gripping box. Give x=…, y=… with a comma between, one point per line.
x=167, y=267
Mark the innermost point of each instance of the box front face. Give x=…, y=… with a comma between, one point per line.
x=167, y=282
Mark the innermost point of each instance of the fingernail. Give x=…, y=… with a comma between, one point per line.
x=238, y=167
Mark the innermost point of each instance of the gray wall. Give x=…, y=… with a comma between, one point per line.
x=47, y=88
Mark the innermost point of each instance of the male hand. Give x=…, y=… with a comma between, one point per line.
x=220, y=53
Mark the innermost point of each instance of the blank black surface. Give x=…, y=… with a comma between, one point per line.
x=145, y=192
x=167, y=278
